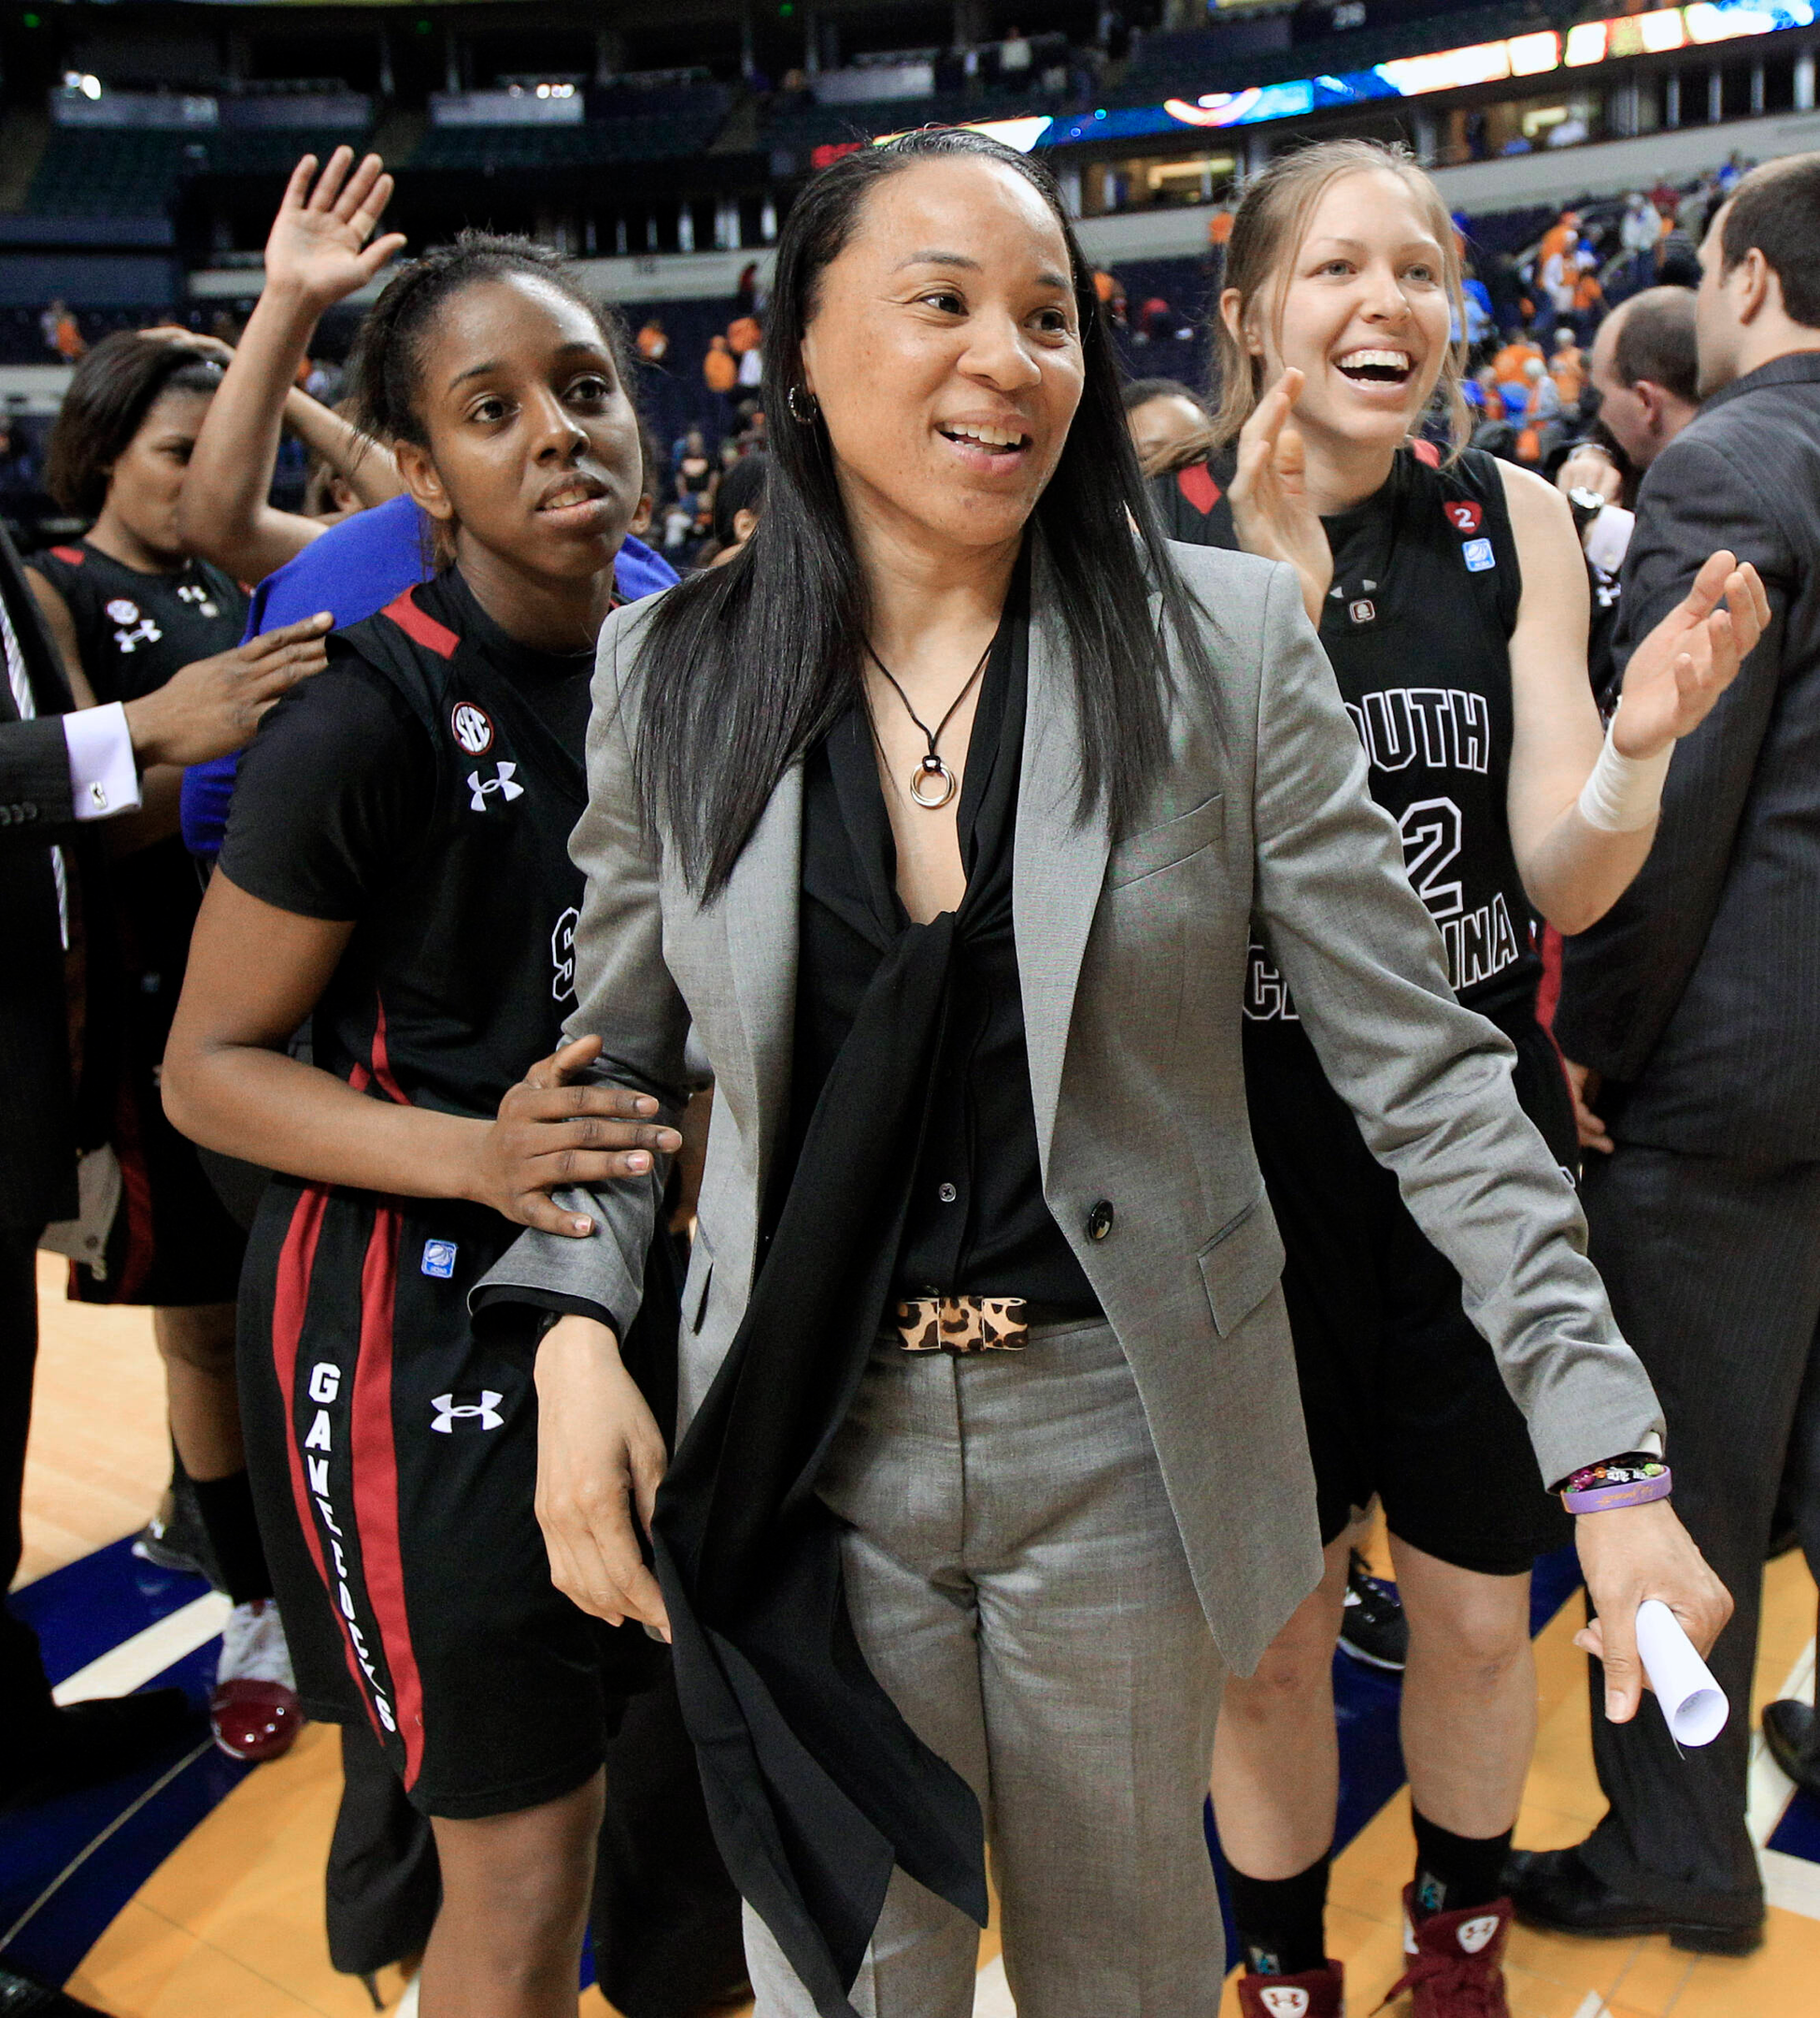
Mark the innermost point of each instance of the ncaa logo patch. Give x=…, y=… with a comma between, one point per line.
x=1478, y=556
x=483, y=1409
x=122, y=611
x=1474, y=1934
x=473, y=728
x=1284, y=2000
x=439, y=1258
x=1364, y=611
x=1464, y=515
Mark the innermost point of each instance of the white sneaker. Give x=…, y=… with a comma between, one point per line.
x=253, y=1711
x=253, y=1646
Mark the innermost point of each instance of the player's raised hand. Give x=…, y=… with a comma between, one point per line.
x=1691, y=656
x=1270, y=512
x=318, y=244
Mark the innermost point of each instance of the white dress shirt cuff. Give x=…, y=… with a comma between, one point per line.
x=103, y=777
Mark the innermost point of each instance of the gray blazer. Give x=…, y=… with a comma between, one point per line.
x=1133, y=952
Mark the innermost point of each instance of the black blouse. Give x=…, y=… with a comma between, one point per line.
x=976, y=1223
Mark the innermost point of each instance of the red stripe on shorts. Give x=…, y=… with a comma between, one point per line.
x=376, y=1484
x=290, y=1305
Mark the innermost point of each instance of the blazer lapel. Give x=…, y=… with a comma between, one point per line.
x=759, y=910
x=1061, y=862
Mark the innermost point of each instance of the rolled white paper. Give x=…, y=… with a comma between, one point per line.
x=1693, y=1703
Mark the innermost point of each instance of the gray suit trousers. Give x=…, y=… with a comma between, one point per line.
x=1713, y=1267
x=1018, y=1586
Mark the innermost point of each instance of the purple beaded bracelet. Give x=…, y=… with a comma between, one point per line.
x=1618, y=1482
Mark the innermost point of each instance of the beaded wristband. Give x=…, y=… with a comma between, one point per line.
x=1617, y=1482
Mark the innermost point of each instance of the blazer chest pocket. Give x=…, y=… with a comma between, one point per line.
x=1156, y=849
x=700, y=1279
x=1241, y=1265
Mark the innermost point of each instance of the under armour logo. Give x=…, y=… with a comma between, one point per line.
x=144, y=632
x=450, y=1412
x=502, y=783
x=1474, y=1934
x=562, y=955
x=1284, y=2000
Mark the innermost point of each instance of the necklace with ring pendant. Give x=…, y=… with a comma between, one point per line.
x=932, y=784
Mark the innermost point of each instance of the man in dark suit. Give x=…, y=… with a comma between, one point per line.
x=1694, y=1009
x=61, y=771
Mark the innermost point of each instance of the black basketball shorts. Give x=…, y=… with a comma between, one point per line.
x=1402, y=1397
x=394, y=1450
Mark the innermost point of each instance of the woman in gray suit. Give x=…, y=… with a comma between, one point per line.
x=936, y=822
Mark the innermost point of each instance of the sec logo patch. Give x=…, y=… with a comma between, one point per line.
x=473, y=728
x=1464, y=515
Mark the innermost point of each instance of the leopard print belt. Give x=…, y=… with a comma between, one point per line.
x=972, y=1324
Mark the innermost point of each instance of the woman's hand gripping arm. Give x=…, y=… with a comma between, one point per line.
x=256, y=971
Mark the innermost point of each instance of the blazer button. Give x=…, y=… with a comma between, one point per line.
x=1099, y=1221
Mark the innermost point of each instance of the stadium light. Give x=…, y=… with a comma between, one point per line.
x=1532, y=54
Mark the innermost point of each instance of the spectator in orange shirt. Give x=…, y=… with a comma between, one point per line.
x=1568, y=367
x=1509, y=363
x=718, y=367
x=1560, y=237
x=62, y=331
x=1588, y=296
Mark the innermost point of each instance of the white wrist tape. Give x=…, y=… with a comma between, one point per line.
x=1623, y=794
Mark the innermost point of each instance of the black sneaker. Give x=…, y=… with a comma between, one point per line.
x=1792, y=1732
x=1372, y=1628
x=175, y=1538
x=23, y=1997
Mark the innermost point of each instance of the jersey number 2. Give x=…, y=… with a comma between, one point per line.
x=1431, y=839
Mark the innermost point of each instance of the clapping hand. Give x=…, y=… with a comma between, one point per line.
x=318, y=245
x=1691, y=656
x=1271, y=511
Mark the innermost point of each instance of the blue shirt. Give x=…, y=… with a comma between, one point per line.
x=353, y=570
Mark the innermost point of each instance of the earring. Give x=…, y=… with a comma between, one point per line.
x=804, y=409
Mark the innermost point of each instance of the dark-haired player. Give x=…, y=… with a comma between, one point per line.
x=130, y=608
x=396, y=869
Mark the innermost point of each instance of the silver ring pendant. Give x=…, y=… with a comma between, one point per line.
x=932, y=767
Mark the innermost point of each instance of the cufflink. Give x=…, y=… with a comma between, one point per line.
x=99, y=796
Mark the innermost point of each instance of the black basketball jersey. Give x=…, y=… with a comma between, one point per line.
x=425, y=786
x=135, y=630
x=1417, y=625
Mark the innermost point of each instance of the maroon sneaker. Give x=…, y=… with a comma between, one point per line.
x=253, y=1709
x=1456, y=1961
x=1314, y=1993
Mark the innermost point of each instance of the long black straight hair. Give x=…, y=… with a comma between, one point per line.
x=742, y=668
